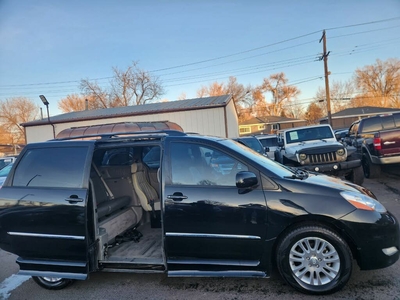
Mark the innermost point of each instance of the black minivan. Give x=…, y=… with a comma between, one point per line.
x=157, y=202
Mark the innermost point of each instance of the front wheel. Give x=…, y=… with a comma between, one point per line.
x=356, y=175
x=314, y=260
x=52, y=283
x=370, y=169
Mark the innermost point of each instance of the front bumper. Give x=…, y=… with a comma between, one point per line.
x=334, y=168
x=376, y=238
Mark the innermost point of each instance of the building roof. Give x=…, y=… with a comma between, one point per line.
x=268, y=120
x=362, y=111
x=136, y=110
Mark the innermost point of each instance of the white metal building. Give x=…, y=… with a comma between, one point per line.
x=215, y=116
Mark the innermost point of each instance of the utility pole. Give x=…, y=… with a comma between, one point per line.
x=325, y=58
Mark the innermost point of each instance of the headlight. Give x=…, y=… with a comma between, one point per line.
x=340, y=152
x=303, y=156
x=363, y=202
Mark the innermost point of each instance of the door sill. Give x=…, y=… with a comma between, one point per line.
x=234, y=273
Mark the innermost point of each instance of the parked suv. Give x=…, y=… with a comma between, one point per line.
x=253, y=143
x=377, y=140
x=315, y=148
x=270, y=144
x=154, y=203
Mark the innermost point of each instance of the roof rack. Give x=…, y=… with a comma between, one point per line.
x=124, y=134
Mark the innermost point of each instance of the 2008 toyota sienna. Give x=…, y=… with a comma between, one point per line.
x=71, y=207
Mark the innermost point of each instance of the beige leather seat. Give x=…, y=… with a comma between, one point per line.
x=144, y=190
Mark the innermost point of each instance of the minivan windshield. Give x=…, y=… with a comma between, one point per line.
x=274, y=167
x=4, y=172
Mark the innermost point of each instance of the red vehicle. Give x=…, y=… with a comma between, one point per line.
x=377, y=140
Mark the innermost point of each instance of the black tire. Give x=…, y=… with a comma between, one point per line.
x=52, y=283
x=370, y=170
x=356, y=175
x=302, y=270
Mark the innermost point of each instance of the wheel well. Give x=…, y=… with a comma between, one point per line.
x=321, y=221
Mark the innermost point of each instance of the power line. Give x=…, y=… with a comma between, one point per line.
x=230, y=55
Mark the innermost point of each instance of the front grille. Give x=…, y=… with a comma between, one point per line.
x=322, y=158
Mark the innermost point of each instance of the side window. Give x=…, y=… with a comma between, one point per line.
x=151, y=156
x=118, y=157
x=387, y=122
x=397, y=119
x=353, y=130
x=193, y=164
x=372, y=124
x=51, y=167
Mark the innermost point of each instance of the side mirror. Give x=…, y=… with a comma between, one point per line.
x=246, y=180
x=266, y=149
x=280, y=143
x=338, y=137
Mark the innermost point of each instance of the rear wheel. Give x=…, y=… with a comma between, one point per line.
x=52, y=283
x=370, y=169
x=314, y=260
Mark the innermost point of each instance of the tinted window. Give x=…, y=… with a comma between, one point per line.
x=151, y=157
x=397, y=119
x=372, y=124
x=387, y=122
x=51, y=167
x=252, y=143
x=118, y=157
x=193, y=164
x=269, y=142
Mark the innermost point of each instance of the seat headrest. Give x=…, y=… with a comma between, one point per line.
x=136, y=167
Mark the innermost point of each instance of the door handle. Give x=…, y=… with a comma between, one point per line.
x=177, y=197
x=73, y=199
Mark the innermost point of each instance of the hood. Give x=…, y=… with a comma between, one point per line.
x=315, y=144
x=337, y=183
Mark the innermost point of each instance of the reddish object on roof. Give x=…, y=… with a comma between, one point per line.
x=122, y=127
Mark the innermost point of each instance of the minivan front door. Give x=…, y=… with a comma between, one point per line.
x=210, y=224
x=43, y=210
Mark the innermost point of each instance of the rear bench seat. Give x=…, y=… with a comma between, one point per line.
x=105, y=204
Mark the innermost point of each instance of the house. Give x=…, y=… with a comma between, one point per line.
x=344, y=118
x=268, y=125
x=209, y=116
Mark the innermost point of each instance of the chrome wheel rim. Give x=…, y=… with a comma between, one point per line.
x=52, y=279
x=314, y=261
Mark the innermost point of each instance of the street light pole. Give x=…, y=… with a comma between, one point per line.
x=45, y=102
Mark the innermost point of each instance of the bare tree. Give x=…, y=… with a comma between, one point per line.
x=135, y=86
x=132, y=86
x=241, y=95
x=380, y=82
x=76, y=102
x=71, y=103
x=13, y=112
x=282, y=94
x=182, y=96
x=340, y=96
x=313, y=113
x=101, y=98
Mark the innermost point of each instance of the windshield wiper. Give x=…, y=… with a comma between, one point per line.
x=298, y=174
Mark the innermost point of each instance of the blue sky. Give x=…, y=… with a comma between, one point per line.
x=47, y=47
